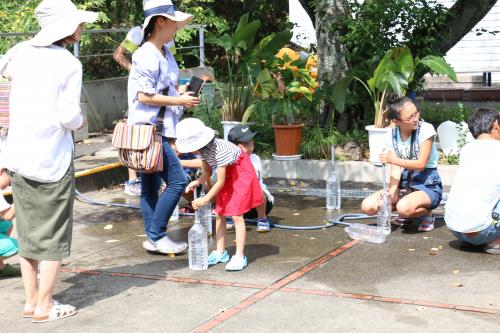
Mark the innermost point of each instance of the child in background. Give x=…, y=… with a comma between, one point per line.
x=8, y=245
x=237, y=189
x=413, y=157
x=476, y=188
x=242, y=136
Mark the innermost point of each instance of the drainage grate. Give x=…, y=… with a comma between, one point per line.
x=321, y=192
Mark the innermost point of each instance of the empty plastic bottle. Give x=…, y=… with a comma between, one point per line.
x=332, y=186
x=204, y=215
x=175, y=215
x=384, y=210
x=365, y=232
x=198, y=247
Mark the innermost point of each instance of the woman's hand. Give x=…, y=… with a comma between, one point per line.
x=387, y=156
x=191, y=186
x=197, y=203
x=187, y=100
x=182, y=88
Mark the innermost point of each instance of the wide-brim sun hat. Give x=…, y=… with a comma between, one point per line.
x=192, y=135
x=59, y=19
x=166, y=9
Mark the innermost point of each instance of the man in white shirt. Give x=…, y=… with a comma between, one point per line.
x=476, y=188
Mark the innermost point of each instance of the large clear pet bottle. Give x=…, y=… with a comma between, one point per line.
x=198, y=247
x=332, y=186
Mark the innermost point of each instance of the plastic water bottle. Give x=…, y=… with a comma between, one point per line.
x=366, y=233
x=332, y=186
x=174, y=218
x=384, y=210
x=198, y=247
x=204, y=215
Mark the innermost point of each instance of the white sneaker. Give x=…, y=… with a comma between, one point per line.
x=164, y=245
x=133, y=187
x=149, y=245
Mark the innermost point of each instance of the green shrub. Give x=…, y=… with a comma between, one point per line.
x=437, y=113
x=317, y=141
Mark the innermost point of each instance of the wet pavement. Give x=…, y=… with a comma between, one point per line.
x=296, y=281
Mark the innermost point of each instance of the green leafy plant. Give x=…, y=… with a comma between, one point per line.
x=393, y=74
x=246, y=60
x=284, y=87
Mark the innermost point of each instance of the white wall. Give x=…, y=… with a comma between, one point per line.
x=303, y=32
x=478, y=53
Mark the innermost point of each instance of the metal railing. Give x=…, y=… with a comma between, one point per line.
x=77, y=47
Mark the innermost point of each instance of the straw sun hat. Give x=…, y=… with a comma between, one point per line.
x=166, y=9
x=59, y=19
x=192, y=135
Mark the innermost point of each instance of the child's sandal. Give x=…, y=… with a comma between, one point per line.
x=237, y=263
x=426, y=223
x=217, y=257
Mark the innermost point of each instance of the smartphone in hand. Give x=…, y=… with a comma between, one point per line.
x=195, y=85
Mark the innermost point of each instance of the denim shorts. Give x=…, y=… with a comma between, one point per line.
x=427, y=181
x=482, y=237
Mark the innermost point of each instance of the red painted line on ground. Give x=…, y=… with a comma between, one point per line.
x=278, y=285
x=394, y=300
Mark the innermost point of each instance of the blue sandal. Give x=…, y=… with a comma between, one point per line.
x=217, y=257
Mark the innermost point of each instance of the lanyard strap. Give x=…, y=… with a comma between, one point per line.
x=414, y=146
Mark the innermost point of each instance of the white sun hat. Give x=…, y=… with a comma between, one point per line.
x=59, y=19
x=192, y=135
x=166, y=9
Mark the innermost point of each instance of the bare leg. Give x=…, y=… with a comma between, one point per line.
x=261, y=209
x=132, y=174
x=413, y=205
x=29, y=269
x=220, y=233
x=369, y=205
x=241, y=233
x=48, y=276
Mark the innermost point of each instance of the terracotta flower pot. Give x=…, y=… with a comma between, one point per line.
x=287, y=139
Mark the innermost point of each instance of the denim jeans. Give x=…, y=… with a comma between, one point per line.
x=156, y=210
x=482, y=237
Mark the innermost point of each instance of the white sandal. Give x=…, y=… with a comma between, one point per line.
x=237, y=263
x=57, y=311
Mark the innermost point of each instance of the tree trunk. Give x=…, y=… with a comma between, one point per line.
x=331, y=54
x=464, y=15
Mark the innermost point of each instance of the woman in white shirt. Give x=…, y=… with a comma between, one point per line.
x=152, y=92
x=44, y=108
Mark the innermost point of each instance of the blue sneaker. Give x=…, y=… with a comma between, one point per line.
x=229, y=224
x=263, y=225
x=216, y=257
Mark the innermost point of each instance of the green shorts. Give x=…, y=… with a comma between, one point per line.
x=8, y=245
x=44, y=216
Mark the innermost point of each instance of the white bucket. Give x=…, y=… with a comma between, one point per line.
x=376, y=141
x=228, y=125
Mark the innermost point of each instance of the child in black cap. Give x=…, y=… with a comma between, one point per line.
x=242, y=136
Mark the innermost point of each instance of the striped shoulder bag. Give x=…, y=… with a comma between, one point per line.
x=4, y=106
x=140, y=146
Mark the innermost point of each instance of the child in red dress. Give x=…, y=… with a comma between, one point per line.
x=237, y=189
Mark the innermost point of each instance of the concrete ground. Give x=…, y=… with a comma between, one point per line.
x=296, y=281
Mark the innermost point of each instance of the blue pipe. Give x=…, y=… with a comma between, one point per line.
x=339, y=220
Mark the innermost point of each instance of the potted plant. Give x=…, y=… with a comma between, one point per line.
x=394, y=74
x=283, y=87
x=244, y=58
